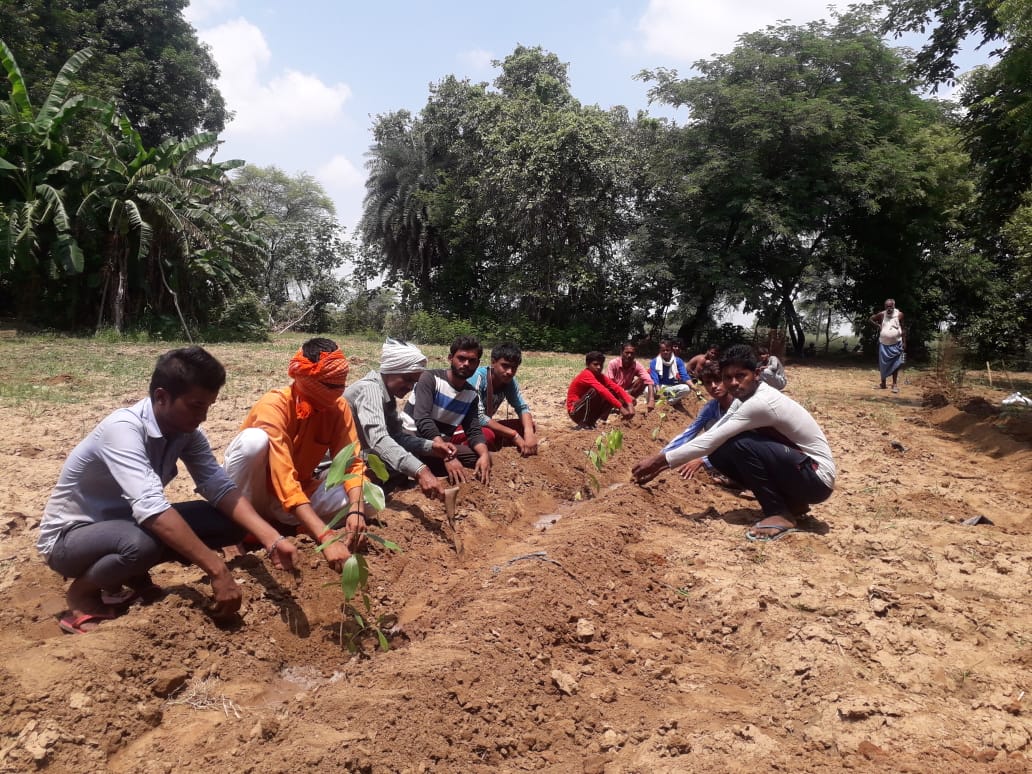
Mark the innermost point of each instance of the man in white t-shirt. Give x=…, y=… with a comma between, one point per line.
x=766, y=441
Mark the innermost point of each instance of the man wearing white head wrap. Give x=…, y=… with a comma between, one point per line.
x=400, y=357
x=373, y=400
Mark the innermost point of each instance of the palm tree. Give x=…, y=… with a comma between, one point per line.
x=395, y=215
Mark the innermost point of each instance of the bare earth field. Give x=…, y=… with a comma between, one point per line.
x=635, y=630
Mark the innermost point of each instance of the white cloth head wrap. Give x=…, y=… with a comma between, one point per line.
x=399, y=357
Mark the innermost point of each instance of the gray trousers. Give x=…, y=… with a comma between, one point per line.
x=108, y=553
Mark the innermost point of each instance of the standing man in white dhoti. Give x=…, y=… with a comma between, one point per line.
x=892, y=343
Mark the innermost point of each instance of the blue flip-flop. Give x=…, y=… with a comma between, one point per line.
x=781, y=532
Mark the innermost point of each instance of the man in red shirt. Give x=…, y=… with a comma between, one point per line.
x=592, y=395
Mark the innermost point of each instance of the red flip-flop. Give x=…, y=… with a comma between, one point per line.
x=73, y=624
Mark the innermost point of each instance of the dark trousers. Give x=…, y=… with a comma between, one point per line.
x=783, y=478
x=590, y=408
x=108, y=553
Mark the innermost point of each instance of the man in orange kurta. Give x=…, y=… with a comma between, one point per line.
x=286, y=435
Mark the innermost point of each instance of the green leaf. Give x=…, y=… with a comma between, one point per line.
x=373, y=495
x=376, y=465
x=350, y=577
x=615, y=441
x=384, y=644
x=363, y=572
x=19, y=95
x=329, y=542
x=337, y=474
x=338, y=517
x=390, y=545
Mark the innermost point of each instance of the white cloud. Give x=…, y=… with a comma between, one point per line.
x=201, y=10
x=339, y=173
x=688, y=30
x=345, y=183
x=477, y=59
x=268, y=105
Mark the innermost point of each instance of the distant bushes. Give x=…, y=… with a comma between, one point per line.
x=428, y=328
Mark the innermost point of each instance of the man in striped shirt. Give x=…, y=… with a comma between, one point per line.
x=442, y=400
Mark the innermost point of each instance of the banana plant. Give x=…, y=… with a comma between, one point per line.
x=36, y=166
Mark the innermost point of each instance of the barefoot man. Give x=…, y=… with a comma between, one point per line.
x=892, y=343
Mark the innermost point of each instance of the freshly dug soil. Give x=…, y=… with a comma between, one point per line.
x=567, y=627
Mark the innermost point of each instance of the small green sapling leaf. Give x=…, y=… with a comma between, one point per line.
x=373, y=495
x=337, y=474
x=375, y=464
x=350, y=577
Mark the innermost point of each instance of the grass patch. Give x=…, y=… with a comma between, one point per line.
x=37, y=371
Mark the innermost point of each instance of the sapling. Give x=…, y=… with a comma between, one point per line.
x=606, y=445
x=354, y=576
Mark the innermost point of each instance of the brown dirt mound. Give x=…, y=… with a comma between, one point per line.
x=630, y=631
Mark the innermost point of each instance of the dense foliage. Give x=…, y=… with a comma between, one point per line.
x=147, y=60
x=806, y=177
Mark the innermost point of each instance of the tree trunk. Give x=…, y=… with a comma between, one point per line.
x=119, y=298
x=690, y=326
x=794, y=325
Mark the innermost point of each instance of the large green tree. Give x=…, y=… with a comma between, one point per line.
x=147, y=59
x=36, y=232
x=98, y=226
x=510, y=200
x=302, y=245
x=801, y=148
x=990, y=308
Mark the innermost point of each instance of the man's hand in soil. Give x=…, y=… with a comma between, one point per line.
x=442, y=449
x=226, y=593
x=456, y=472
x=336, y=554
x=627, y=411
x=690, y=468
x=649, y=468
x=429, y=484
x=482, y=470
x=528, y=446
x=355, y=527
x=283, y=554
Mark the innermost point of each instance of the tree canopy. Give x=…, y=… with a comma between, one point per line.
x=147, y=60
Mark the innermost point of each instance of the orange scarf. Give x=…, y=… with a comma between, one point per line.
x=311, y=379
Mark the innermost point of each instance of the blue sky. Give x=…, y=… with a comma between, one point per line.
x=305, y=79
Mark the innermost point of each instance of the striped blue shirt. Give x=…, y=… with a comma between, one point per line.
x=436, y=408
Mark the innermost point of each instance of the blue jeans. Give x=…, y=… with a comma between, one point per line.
x=108, y=553
x=783, y=478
